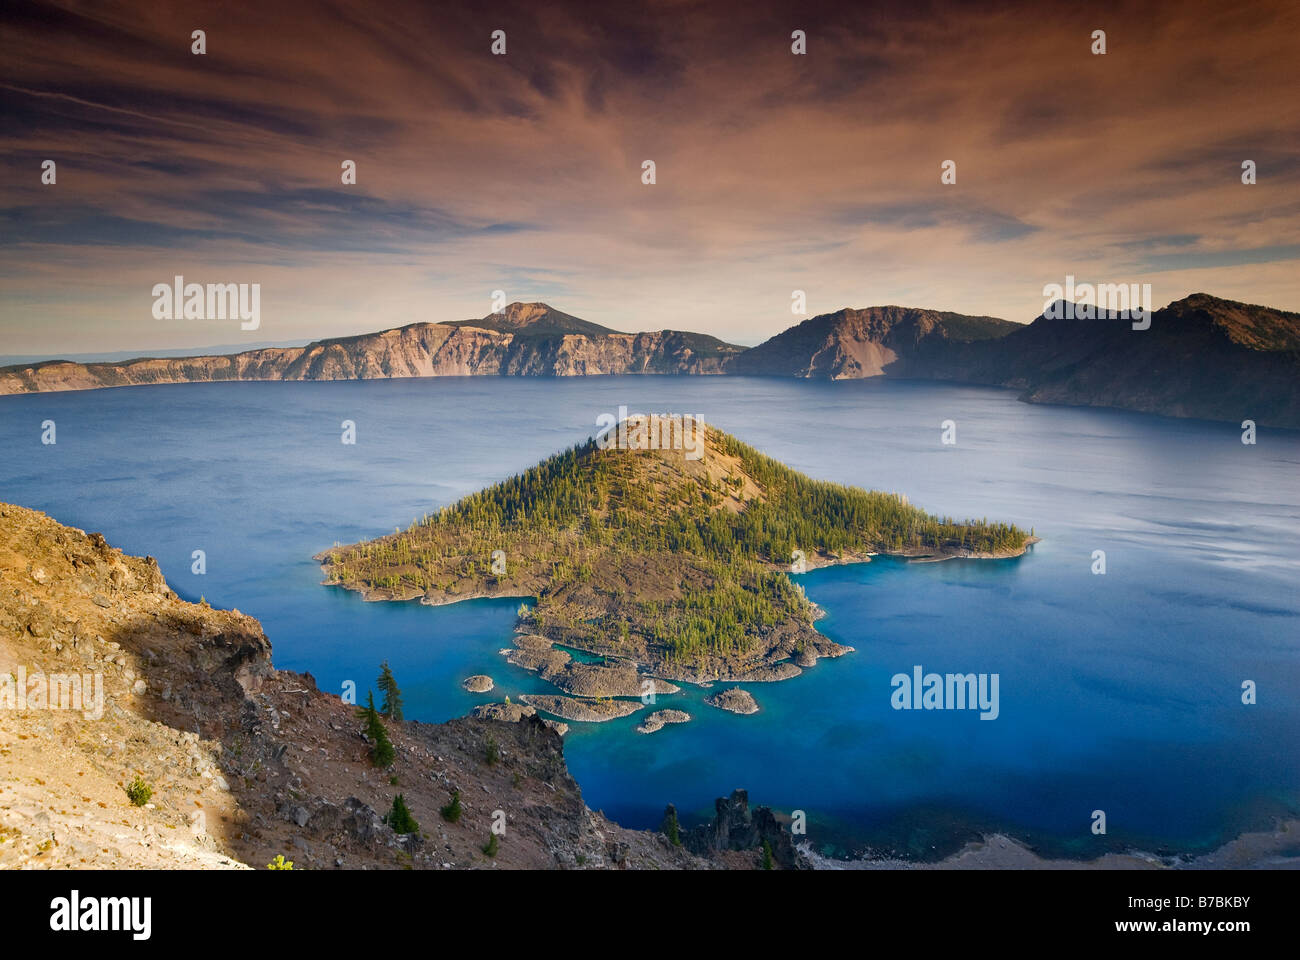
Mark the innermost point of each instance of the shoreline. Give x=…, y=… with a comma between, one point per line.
x=1275, y=848
x=370, y=594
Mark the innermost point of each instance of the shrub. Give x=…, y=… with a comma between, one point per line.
x=279, y=863
x=451, y=812
x=139, y=792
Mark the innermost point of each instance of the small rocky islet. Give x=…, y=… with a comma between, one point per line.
x=734, y=700
x=557, y=667
x=661, y=718
x=586, y=711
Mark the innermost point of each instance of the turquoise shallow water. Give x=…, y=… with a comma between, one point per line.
x=1118, y=692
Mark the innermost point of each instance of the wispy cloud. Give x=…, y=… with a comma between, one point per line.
x=522, y=172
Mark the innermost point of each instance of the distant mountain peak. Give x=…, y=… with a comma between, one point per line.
x=535, y=320
x=521, y=314
x=857, y=342
x=1250, y=325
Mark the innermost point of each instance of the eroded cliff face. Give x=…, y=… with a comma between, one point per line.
x=531, y=343
x=851, y=344
x=245, y=762
x=573, y=355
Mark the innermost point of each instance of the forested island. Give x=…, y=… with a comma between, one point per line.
x=645, y=555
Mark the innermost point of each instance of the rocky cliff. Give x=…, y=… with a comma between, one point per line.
x=526, y=340
x=735, y=827
x=1202, y=357
x=850, y=344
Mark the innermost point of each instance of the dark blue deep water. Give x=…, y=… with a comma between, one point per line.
x=1119, y=692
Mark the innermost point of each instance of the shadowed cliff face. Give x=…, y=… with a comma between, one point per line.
x=1201, y=357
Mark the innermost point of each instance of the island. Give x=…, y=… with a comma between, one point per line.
x=664, y=560
x=734, y=700
x=661, y=718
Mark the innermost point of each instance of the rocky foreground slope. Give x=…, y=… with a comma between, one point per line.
x=245, y=762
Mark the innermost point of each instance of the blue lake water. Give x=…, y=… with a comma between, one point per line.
x=1119, y=692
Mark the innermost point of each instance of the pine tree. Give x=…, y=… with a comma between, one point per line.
x=392, y=706
x=767, y=856
x=382, y=753
x=399, y=817
x=451, y=812
x=492, y=844
x=670, y=828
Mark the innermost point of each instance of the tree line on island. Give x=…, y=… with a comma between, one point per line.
x=721, y=545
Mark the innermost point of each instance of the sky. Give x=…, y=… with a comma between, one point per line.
x=522, y=172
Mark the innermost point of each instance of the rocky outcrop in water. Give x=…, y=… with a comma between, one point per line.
x=586, y=711
x=660, y=718
x=736, y=827
x=734, y=700
x=619, y=678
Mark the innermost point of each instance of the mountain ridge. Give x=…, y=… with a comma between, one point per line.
x=1203, y=356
